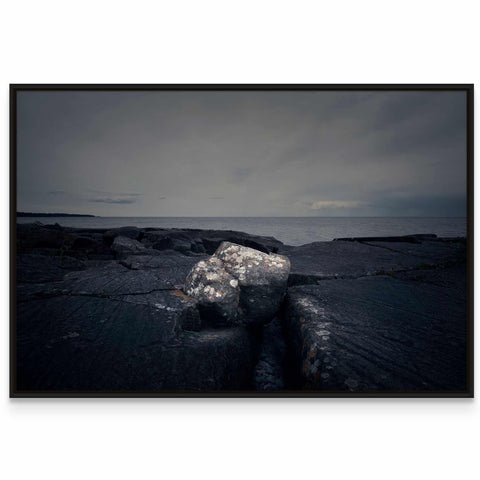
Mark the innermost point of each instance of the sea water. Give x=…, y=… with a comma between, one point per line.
x=289, y=230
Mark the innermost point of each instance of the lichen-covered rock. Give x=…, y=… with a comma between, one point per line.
x=239, y=285
x=262, y=279
x=216, y=290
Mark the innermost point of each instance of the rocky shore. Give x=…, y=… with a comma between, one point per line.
x=121, y=310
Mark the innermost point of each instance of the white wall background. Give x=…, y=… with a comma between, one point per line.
x=232, y=42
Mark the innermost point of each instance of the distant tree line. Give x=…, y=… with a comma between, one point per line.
x=31, y=214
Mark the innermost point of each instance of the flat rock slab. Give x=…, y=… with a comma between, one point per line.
x=33, y=268
x=136, y=274
x=172, y=263
x=380, y=334
x=127, y=343
x=347, y=259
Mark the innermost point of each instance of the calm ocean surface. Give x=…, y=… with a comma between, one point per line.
x=290, y=230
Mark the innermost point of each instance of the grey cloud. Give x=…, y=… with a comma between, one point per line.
x=241, y=174
x=116, y=198
x=120, y=201
x=262, y=153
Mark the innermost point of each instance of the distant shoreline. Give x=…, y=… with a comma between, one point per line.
x=30, y=214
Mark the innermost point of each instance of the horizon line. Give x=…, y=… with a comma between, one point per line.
x=244, y=216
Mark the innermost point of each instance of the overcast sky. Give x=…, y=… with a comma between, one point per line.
x=242, y=153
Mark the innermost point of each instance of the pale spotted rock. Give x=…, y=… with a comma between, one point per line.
x=239, y=284
x=262, y=278
x=216, y=290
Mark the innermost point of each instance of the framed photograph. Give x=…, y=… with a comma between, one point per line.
x=241, y=240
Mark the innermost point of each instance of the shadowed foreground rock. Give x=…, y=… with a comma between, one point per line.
x=395, y=322
x=269, y=372
x=87, y=322
x=127, y=343
x=102, y=310
x=112, y=328
x=239, y=285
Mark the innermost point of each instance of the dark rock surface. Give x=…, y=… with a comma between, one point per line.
x=317, y=261
x=104, y=310
x=129, y=232
x=399, y=328
x=127, y=343
x=86, y=323
x=417, y=238
x=127, y=246
x=206, y=241
x=269, y=373
x=32, y=268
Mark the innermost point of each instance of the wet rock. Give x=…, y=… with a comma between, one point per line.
x=262, y=279
x=217, y=292
x=379, y=334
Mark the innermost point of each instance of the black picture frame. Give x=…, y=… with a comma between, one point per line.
x=16, y=88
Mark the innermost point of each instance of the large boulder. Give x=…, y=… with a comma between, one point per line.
x=216, y=290
x=245, y=285
x=262, y=279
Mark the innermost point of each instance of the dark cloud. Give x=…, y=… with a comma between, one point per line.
x=261, y=153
